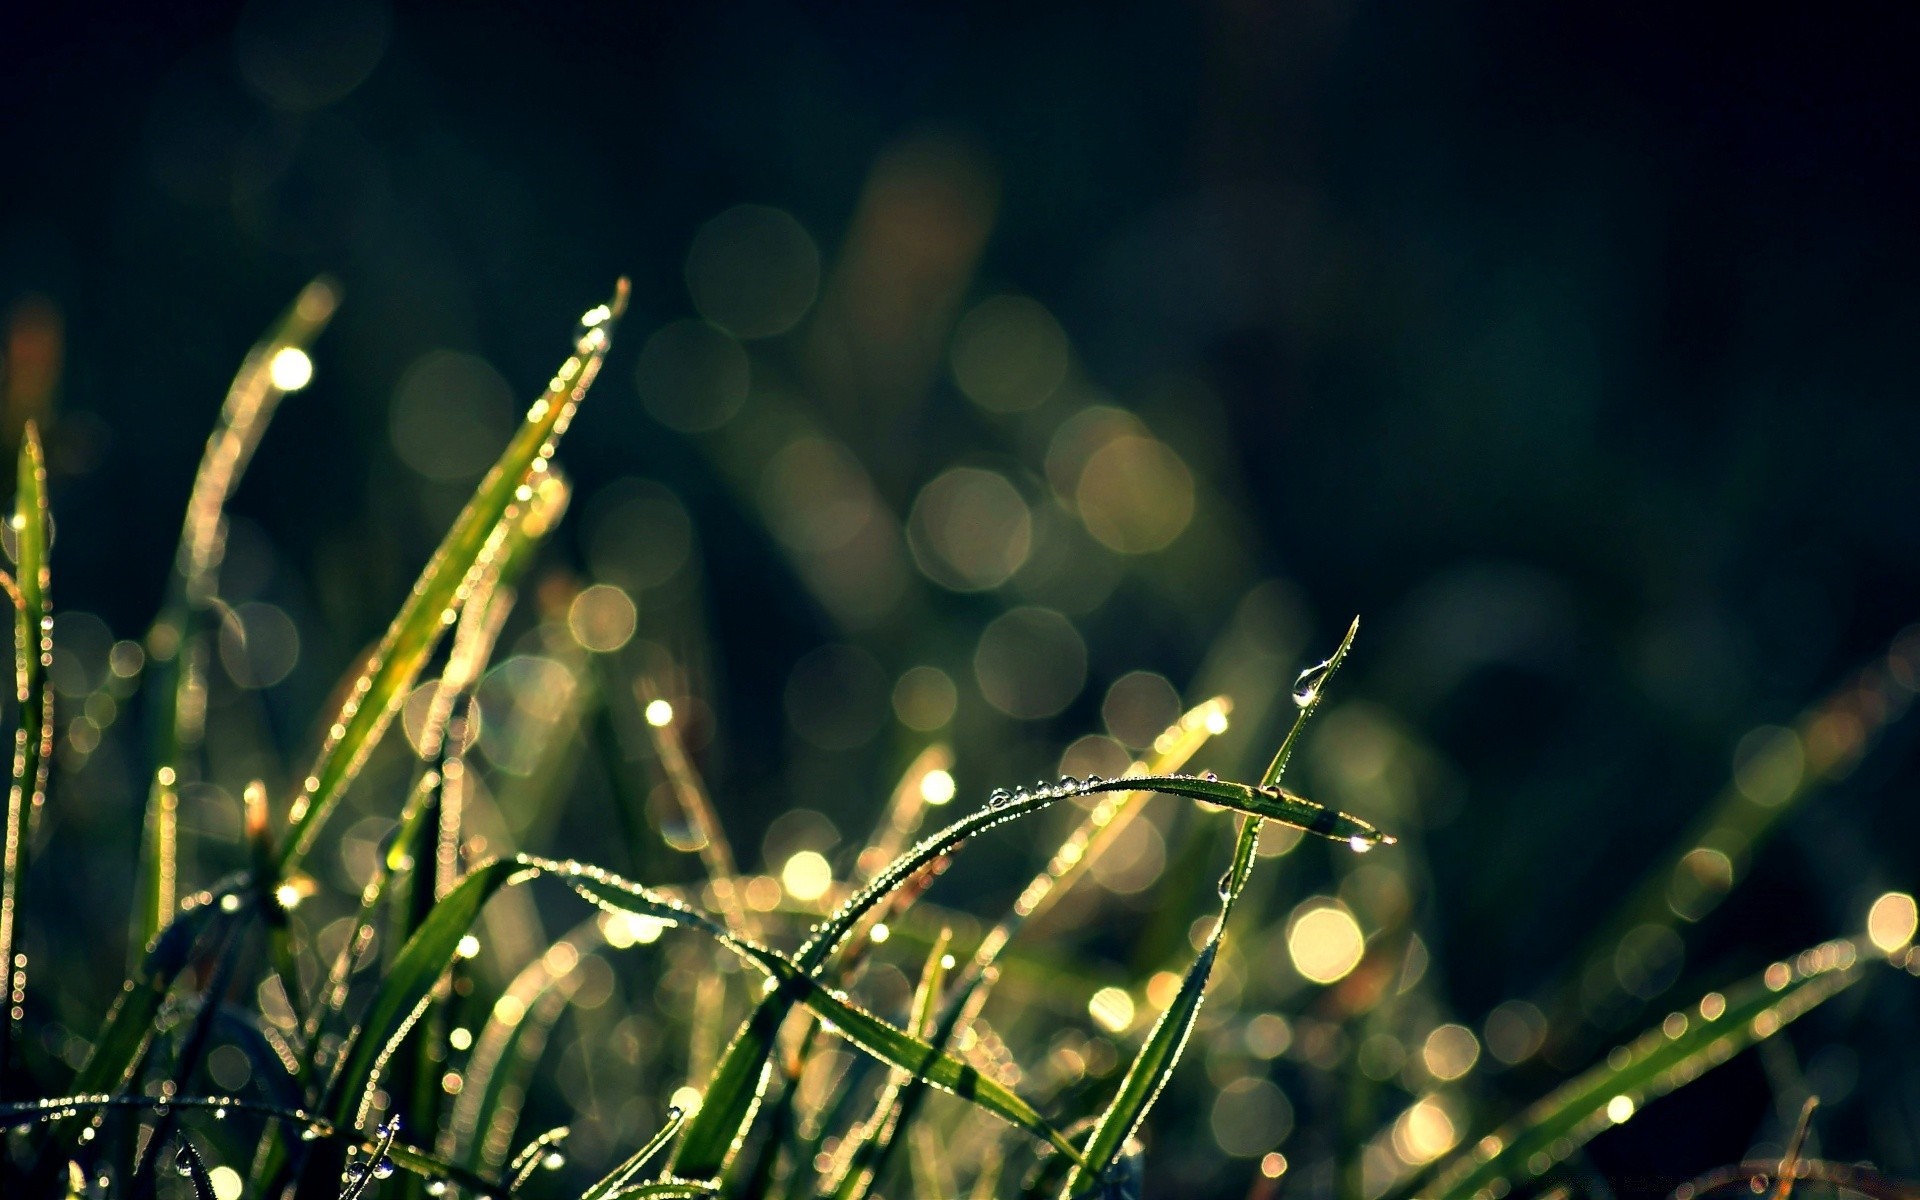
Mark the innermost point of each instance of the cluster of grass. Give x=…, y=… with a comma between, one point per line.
x=380, y=1057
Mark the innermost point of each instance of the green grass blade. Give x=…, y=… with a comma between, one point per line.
x=1150, y=1069
x=1653, y=1065
x=896, y=1047
x=1268, y=801
x=668, y=1189
x=731, y=1096
x=33, y=739
x=405, y=989
x=861, y=1155
x=476, y=539
x=408, y=983
x=1308, y=690
x=618, y=1177
x=714, y=1129
x=276, y=365
x=480, y=1129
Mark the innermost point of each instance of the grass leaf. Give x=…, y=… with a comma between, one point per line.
x=1654, y=1064
x=276, y=365
x=618, y=1177
x=477, y=537
x=33, y=738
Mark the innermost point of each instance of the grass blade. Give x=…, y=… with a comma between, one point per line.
x=859, y=1157
x=716, y=854
x=1654, y=1064
x=186, y=1160
x=33, y=739
x=276, y=365
x=475, y=540
x=1150, y=1069
x=1089, y=841
x=896, y=1047
x=480, y=1130
x=618, y=1177
x=714, y=1131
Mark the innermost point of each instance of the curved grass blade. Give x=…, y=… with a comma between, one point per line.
x=896, y=1047
x=33, y=739
x=714, y=1131
x=480, y=1129
x=1087, y=844
x=470, y=546
x=668, y=1189
x=1654, y=1064
x=618, y=1177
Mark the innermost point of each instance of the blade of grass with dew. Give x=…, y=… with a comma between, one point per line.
x=1096, y=834
x=531, y=1155
x=1708, y=861
x=276, y=366
x=1150, y=1069
x=480, y=1130
x=476, y=538
x=186, y=1160
x=791, y=983
x=618, y=1177
x=859, y=1154
x=33, y=738
x=1653, y=1065
x=121, y=1046
x=710, y=1139
x=716, y=854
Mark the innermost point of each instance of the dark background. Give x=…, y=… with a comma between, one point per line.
x=1571, y=344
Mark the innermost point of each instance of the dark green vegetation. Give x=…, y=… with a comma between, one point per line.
x=385, y=1045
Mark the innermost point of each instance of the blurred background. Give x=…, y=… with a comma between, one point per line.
x=1014, y=378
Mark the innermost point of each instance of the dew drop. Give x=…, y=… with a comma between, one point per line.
x=384, y=1168
x=1306, y=687
x=554, y=1160
x=1210, y=777
x=436, y=1187
x=183, y=1161
x=1068, y=784
x=1094, y=781
x=356, y=1171
x=1360, y=845
x=999, y=799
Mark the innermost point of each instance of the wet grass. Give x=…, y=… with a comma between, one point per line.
x=382, y=1059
